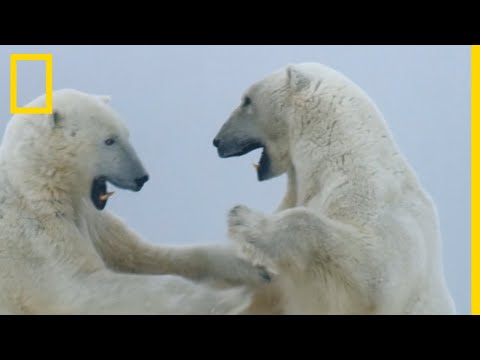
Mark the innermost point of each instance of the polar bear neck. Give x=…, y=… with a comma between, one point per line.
x=341, y=139
x=45, y=184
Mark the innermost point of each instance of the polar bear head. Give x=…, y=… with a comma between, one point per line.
x=256, y=124
x=75, y=150
x=290, y=103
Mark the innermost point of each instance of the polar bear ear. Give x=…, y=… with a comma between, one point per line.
x=105, y=98
x=296, y=79
x=56, y=119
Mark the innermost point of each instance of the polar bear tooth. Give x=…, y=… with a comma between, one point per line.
x=104, y=197
x=256, y=166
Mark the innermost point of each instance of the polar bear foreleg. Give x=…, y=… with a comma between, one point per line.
x=308, y=249
x=124, y=251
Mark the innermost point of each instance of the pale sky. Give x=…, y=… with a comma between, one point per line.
x=175, y=98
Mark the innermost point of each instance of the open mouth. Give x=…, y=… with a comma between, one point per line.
x=99, y=193
x=264, y=164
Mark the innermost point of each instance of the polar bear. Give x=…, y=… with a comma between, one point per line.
x=356, y=233
x=60, y=251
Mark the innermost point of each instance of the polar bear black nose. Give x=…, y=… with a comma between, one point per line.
x=141, y=181
x=216, y=142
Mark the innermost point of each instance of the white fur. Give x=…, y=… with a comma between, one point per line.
x=356, y=233
x=58, y=253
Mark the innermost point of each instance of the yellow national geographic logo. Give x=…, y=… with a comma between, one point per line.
x=14, y=58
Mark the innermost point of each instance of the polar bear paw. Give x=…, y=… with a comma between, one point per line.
x=245, y=224
x=249, y=230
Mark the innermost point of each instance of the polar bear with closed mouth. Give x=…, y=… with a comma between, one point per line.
x=356, y=233
x=61, y=252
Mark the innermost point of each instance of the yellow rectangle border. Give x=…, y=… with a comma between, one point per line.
x=475, y=178
x=48, y=58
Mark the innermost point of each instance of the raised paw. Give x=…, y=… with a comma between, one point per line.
x=245, y=224
x=250, y=231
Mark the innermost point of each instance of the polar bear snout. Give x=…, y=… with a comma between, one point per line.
x=129, y=183
x=120, y=165
x=141, y=181
x=230, y=146
x=238, y=136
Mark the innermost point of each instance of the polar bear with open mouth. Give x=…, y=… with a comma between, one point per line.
x=356, y=233
x=61, y=252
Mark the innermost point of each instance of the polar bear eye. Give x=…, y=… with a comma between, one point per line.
x=109, y=142
x=247, y=101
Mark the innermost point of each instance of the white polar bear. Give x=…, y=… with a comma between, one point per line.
x=59, y=253
x=355, y=233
